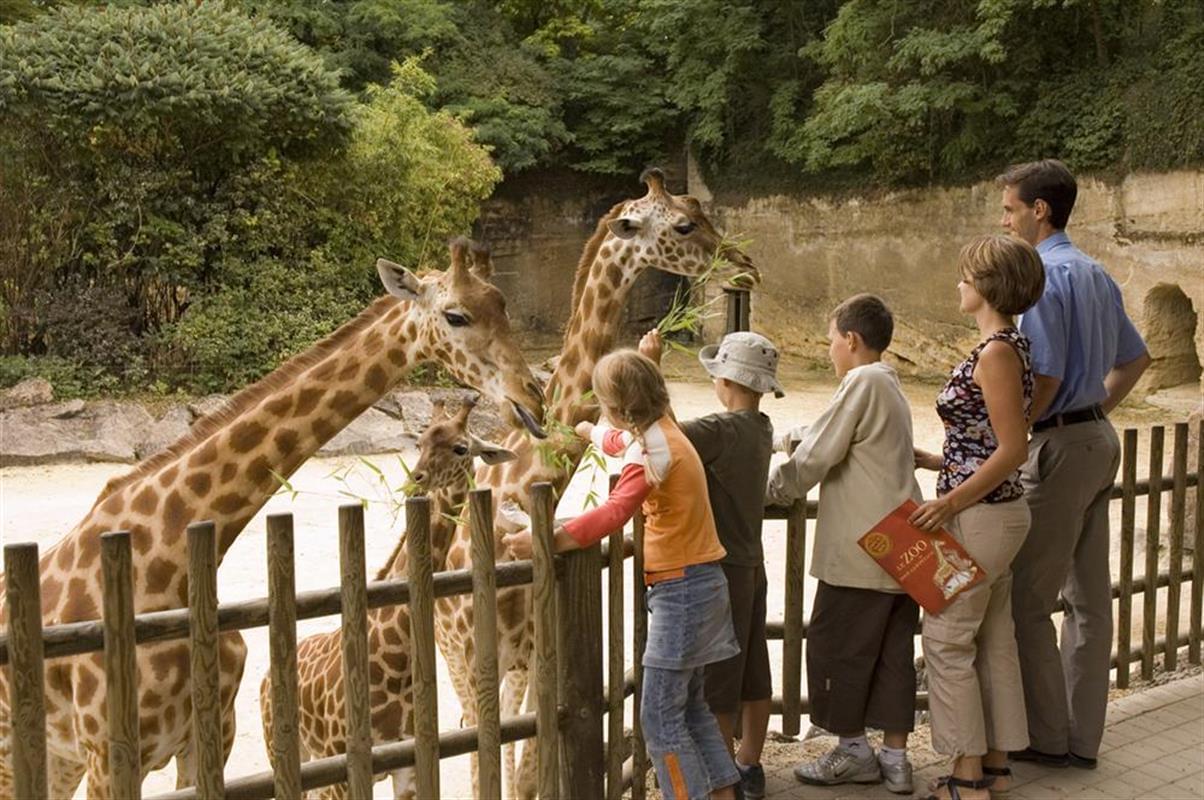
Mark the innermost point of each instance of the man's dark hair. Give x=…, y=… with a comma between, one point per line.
x=867, y=316
x=1047, y=180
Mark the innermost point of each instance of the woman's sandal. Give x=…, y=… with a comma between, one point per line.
x=995, y=773
x=954, y=783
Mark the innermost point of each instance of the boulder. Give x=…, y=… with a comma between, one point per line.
x=165, y=431
x=414, y=407
x=374, y=431
x=207, y=405
x=29, y=392
x=58, y=432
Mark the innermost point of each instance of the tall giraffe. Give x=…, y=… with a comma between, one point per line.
x=658, y=231
x=443, y=472
x=224, y=470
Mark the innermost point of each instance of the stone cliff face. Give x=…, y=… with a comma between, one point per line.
x=1147, y=230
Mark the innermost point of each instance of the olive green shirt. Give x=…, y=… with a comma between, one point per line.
x=735, y=448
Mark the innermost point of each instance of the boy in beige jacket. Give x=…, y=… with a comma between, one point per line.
x=860, y=649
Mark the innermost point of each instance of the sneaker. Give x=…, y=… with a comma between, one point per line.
x=896, y=777
x=839, y=766
x=752, y=781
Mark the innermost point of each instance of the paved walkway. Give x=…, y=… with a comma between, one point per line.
x=1153, y=748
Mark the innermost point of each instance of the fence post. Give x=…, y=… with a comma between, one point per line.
x=121, y=672
x=639, y=637
x=1153, y=524
x=1197, y=557
x=422, y=642
x=26, y=673
x=355, y=650
x=282, y=650
x=739, y=309
x=580, y=621
x=1170, y=656
x=204, y=664
x=484, y=626
x=792, y=634
x=1128, y=514
x=616, y=675
x=547, y=728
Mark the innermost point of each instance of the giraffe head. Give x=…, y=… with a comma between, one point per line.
x=446, y=449
x=461, y=321
x=672, y=233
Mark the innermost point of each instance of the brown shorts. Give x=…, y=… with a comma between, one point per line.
x=861, y=660
x=743, y=677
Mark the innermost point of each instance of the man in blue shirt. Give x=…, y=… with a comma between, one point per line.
x=1086, y=358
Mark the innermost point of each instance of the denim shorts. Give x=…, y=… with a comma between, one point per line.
x=690, y=620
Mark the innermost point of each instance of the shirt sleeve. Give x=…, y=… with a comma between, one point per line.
x=611, y=441
x=626, y=496
x=1045, y=325
x=705, y=434
x=824, y=445
x=1129, y=344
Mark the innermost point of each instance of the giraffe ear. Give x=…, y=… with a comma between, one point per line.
x=399, y=281
x=489, y=452
x=626, y=227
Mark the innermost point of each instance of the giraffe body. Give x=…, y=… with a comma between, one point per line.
x=224, y=470
x=658, y=231
x=443, y=471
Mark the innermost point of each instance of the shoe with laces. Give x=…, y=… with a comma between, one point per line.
x=896, y=777
x=752, y=781
x=840, y=766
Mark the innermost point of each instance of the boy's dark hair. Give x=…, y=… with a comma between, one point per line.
x=1047, y=180
x=867, y=316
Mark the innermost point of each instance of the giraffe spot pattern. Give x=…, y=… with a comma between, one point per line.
x=199, y=483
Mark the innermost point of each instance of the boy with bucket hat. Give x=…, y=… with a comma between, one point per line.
x=860, y=641
x=735, y=447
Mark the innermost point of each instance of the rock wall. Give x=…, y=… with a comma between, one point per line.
x=1147, y=229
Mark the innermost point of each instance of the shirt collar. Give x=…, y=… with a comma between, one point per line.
x=1055, y=240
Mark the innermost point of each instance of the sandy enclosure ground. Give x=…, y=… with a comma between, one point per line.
x=41, y=503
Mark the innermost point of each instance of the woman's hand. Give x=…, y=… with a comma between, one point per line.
x=519, y=544
x=584, y=429
x=927, y=460
x=651, y=346
x=934, y=514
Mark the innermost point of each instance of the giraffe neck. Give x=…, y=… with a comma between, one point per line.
x=230, y=465
x=447, y=505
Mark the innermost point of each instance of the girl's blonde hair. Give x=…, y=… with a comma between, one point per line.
x=631, y=386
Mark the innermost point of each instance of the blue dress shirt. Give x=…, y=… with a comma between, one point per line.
x=1079, y=329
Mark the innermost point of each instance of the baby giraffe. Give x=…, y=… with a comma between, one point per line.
x=445, y=464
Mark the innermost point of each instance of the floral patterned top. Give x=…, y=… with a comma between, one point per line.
x=969, y=439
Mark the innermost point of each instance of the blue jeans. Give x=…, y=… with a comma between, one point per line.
x=690, y=626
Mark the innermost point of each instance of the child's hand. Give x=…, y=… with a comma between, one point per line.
x=933, y=514
x=584, y=429
x=519, y=544
x=651, y=346
x=926, y=460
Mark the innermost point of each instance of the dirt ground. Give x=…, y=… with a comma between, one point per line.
x=41, y=503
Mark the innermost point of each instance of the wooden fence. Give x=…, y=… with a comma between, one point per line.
x=577, y=697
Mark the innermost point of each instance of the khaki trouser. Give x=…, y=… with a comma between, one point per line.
x=1067, y=480
x=974, y=689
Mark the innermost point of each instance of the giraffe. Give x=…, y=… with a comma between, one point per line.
x=443, y=471
x=659, y=231
x=224, y=470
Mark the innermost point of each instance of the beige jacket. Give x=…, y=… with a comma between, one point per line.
x=860, y=453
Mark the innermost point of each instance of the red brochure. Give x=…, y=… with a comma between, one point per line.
x=931, y=567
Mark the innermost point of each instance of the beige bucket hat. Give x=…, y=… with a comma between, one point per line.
x=748, y=359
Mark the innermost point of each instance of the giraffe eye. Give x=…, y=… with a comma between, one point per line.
x=456, y=319
x=460, y=449
x=685, y=228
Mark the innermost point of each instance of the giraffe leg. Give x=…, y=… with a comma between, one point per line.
x=403, y=784
x=526, y=780
x=65, y=777
x=186, y=766
x=514, y=689
x=96, y=760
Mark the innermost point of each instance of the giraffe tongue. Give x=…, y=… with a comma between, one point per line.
x=529, y=421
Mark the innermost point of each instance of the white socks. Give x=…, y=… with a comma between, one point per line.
x=858, y=746
x=892, y=755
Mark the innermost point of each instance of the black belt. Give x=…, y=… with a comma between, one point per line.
x=1070, y=418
